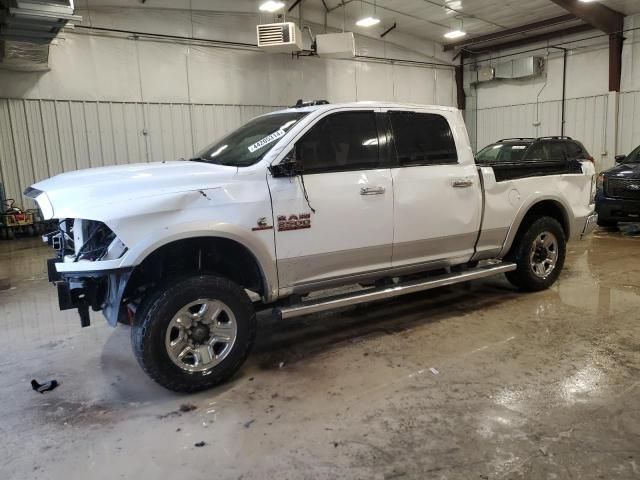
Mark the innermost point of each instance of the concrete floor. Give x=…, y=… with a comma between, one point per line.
x=471, y=382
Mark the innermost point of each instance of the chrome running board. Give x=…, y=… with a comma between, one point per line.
x=372, y=295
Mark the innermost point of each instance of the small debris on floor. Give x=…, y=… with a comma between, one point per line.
x=394, y=474
x=434, y=371
x=178, y=429
x=44, y=387
x=248, y=424
x=281, y=365
x=184, y=408
x=199, y=444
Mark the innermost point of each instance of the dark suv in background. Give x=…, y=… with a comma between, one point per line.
x=523, y=157
x=618, y=192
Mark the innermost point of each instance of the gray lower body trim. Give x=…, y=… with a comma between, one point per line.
x=490, y=243
x=305, y=274
x=368, y=276
x=311, y=269
x=434, y=248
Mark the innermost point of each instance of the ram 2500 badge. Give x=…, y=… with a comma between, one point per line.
x=382, y=195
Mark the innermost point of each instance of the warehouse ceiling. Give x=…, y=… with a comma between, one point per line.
x=431, y=19
x=422, y=19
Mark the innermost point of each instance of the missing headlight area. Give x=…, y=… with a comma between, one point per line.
x=91, y=239
x=87, y=240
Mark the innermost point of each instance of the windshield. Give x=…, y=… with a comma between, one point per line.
x=249, y=143
x=502, y=152
x=634, y=157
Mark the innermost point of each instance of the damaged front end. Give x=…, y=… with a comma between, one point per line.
x=81, y=243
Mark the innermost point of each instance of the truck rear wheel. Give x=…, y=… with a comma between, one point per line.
x=194, y=334
x=539, y=252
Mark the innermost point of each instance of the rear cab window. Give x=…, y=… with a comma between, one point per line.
x=422, y=139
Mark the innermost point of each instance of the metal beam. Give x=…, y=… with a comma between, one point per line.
x=615, y=61
x=510, y=32
x=529, y=40
x=294, y=5
x=594, y=13
x=608, y=21
x=461, y=97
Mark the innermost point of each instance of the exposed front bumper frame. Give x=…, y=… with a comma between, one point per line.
x=589, y=225
x=98, y=289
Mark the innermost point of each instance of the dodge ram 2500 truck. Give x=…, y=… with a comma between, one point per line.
x=381, y=195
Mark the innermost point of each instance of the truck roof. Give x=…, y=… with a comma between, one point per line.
x=367, y=104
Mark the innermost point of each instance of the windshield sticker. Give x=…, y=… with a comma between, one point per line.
x=266, y=140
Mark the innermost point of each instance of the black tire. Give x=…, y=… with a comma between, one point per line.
x=524, y=276
x=607, y=223
x=153, y=317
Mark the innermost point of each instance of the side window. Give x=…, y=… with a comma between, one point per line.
x=574, y=150
x=634, y=157
x=341, y=141
x=557, y=152
x=538, y=152
x=422, y=139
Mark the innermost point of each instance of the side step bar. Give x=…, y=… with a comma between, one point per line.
x=372, y=295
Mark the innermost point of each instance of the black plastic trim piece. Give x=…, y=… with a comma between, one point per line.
x=32, y=192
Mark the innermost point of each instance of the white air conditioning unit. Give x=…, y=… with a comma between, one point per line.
x=279, y=37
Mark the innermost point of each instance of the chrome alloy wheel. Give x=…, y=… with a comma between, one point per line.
x=201, y=335
x=544, y=254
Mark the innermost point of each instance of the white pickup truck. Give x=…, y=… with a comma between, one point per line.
x=383, y=196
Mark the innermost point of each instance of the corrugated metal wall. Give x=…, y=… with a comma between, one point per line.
x=41, y=138
x=629, y=122
x=585, y=120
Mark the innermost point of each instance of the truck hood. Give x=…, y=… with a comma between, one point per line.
x=89, y=193
x=624, y=170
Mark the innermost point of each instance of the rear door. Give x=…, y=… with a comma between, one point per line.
x=437, y=193
x=335, y=220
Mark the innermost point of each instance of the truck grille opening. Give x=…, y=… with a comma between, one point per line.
x=622, y=188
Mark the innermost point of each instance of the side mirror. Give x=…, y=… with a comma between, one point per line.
x=620, y=158
x=288, y=167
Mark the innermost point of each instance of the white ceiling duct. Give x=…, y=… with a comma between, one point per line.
x=27, y=28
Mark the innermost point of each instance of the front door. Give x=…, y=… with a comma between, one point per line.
x=335, y=220
x=437, y=194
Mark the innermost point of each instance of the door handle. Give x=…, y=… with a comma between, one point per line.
x=462, y=183
x=372, y=190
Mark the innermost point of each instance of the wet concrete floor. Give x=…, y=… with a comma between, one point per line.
x=468, y=382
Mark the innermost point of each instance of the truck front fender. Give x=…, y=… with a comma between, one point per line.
x=248, y=239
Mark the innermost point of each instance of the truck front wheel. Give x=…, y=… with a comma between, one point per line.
x=539, y=252
x=194, y=334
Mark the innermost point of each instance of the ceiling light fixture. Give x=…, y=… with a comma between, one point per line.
x=455, y=34
x=458, y=33
x=271, y=6
x=368, y=21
